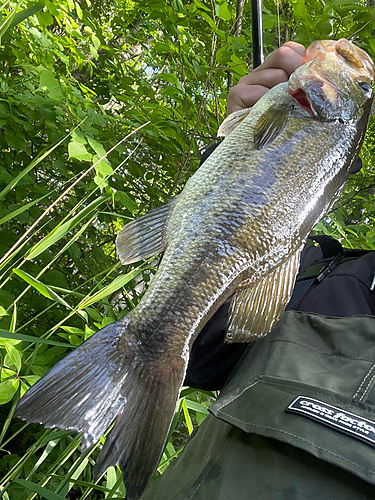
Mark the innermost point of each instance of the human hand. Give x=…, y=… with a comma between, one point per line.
x=277, y=68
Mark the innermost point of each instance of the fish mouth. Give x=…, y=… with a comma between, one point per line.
x=300, y=96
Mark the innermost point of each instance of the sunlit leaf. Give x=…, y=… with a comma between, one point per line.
x=63, y=229
x=15, y=356
x=8, y=389
x=29, y=338
x=41, y=287
x=116, y=284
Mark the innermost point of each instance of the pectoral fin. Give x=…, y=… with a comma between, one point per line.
x=255, y=310
x=144, y=237
x=271, y=124
x=232, y=121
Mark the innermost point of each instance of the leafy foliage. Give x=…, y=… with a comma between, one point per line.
x=104, y=110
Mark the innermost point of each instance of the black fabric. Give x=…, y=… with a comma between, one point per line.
x=329, y=246
x=211, y=359
x=357, y=166
x=207, y=153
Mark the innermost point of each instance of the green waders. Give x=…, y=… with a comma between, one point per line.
x=296, y=420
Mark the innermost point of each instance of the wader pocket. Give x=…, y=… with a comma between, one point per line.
x=299, y=386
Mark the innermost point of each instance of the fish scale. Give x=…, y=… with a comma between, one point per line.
x=237, y=229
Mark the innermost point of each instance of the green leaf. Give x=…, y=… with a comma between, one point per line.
x=79, y=151
x=31, y=379
x=3, y=311
x=223, y=12
x=56, y=234
x=15, y=356
x=202, y=5
x=24, y=14
x=40, y=157
x=49, y=83
x=19, y=211
x=8, y=389
x=102, y=168
x=212, y=24
x=79, y=10
x=188, y=421
x=95, y=40
x=116, y=284
x=97, y=147
x=125, y=201
x=192, y=405
x=41, y=287
x=238, y=48
x=167, y=77
x=45, y=18
x=43, y=492
x=73, y=330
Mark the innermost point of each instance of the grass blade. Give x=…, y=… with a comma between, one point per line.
x=116, y=284
x=22, y=209
x=24, y=14
x=29, y=338
x=43, y=492
x=61, y=230
x=41, y=287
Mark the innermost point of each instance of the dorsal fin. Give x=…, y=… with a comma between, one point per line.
x=232, y=121
x=144, y=237
x=254, y=311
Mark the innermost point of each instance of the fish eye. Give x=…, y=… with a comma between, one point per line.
x=366, y=87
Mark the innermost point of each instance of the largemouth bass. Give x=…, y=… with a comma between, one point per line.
x=237, y=228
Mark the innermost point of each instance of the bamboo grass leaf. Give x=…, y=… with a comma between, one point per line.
x=54, y=435
x=188, y=421
x=24, y=14
x=41, y=287
x=50, y=446
x=61, y=230
x=43, y=492
x=5, y=24
x=192, y=405
x=13, y=321
x=22, y=209
x=29, y=338
x=43, y=154
x=75, y=471
x=85, y=484
x=116, y=284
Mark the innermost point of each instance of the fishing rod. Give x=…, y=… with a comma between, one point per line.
x=257, y=32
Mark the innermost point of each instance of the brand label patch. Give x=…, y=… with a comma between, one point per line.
x=341, y=420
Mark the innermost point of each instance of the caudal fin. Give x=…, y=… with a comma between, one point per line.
x=95, y=385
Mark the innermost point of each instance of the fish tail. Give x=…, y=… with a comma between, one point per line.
x=102, y=381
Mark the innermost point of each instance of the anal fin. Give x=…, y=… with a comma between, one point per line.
x=254, y=310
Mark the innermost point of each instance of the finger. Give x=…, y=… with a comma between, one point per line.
x=288, y=57
x=244, y=96
x=267, y=78
x=252, y=87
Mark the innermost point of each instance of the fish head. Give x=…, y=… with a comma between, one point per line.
x=336, y=83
